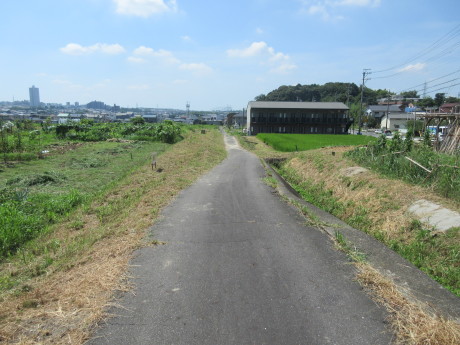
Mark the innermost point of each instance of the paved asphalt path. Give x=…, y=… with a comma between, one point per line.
x=241, y=267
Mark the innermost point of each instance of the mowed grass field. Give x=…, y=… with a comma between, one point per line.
x=36, y=194
x=304, y=142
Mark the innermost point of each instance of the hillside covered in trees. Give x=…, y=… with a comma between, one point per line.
x=329, y=92
x=348, y=93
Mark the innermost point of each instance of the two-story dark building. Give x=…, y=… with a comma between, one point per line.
x=297, y=117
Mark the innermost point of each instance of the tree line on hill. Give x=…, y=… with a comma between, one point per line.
x=348, y=93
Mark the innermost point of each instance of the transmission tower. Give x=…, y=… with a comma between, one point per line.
x=188, y=108
x=424, y=90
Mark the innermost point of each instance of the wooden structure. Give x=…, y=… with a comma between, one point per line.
x=451, y=141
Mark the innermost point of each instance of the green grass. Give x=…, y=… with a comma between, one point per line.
x=438, y=256
x=36, y=194
x=303, y=142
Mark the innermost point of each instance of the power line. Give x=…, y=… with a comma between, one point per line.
x=433, y=58
x=442, y=83
x=446, y=87
x=452, y=34
x=430, y=81
x=427, y=89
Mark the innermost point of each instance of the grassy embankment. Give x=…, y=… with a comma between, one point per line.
x=56, y=286
x=377, y=205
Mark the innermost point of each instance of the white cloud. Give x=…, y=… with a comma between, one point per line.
x=168, y=57
x=283, y=68
x=259, y=31
x=161, y=53
x=319, y=10
x=279, y=62
x=143, y=50
x=145, y=8
x=327, y=9
x=413, y=68
x=77, y=49
x=254, y=49
x=199, y=68
x=363, y=3
x=186, y=38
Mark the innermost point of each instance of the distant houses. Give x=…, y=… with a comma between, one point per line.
x=379, y=111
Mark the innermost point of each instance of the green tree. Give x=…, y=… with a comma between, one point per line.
x=439, y=99
x=426, y=102
x=353, y=113
x=452, y=100
x=137, y=120
x=88, y=122
x=371, y=121
x=409, y=94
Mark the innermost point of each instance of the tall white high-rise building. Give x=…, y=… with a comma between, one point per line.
x=34, y=96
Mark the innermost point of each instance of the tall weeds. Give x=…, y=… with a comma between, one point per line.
x=389, y=157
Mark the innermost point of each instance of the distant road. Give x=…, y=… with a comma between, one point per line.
x=241, y=267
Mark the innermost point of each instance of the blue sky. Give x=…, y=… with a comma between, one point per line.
x=218, y=54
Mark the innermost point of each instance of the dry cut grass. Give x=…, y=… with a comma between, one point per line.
x=384, y=201
x=62, y=305
x=414, y=324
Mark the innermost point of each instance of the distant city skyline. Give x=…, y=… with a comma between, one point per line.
x=222, y=54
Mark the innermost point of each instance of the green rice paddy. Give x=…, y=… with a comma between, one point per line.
x=304, y=142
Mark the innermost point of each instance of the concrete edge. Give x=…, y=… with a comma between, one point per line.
x=414, y=283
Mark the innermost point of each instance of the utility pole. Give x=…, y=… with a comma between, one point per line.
x=366, y=72
x=388, y=108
